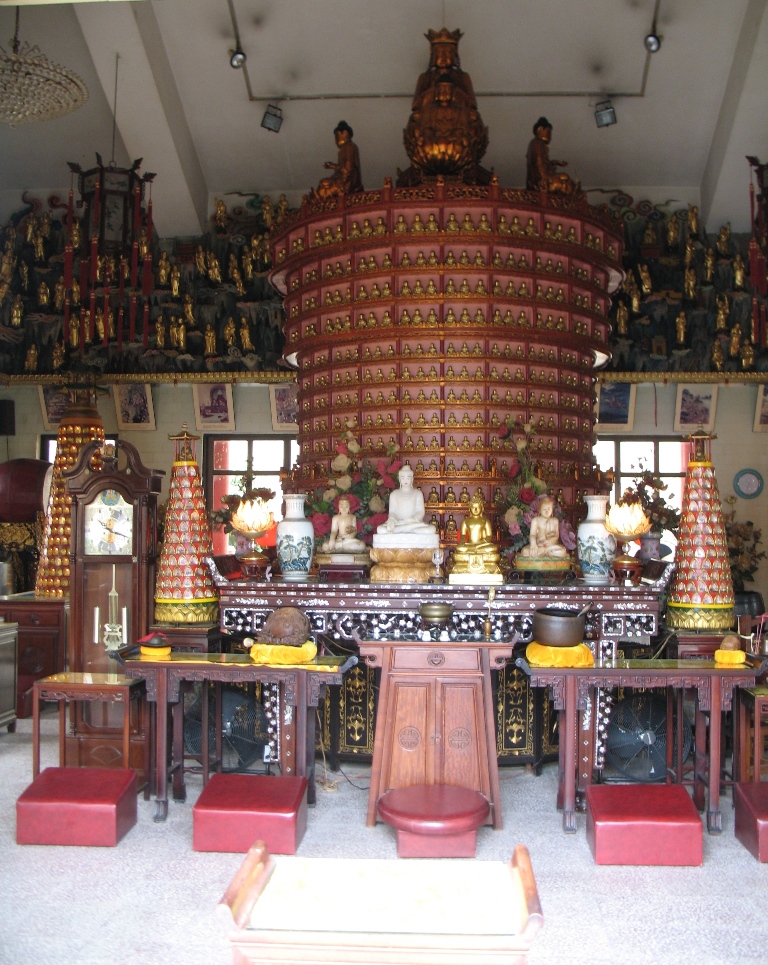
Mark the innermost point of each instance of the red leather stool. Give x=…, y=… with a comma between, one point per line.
x=434, y=820
x=643, y=824
x=236, y=810
x=751, y=823
x=77, y=805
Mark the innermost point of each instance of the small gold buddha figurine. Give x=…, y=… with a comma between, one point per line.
x=432, y=224
x=17, y=311
x=476, y=553
x=738, y=272
x=452, y=225
x=718, y=359
x=734, y=344
x=723, y=243
x=433, y=260
x=43, y=297
x=450, y=287
x=747, y=355
x=450, y=259
x=467, y=224
x=30, y=361
x=418, y=225
x=450, y=525
x=690, y=283
x=400, y=226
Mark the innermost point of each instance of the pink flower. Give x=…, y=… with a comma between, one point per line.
x=567, y=535
x=340, y=447
x=514, y=468
x=526, y=495
x=321, y=523
x=514, y=528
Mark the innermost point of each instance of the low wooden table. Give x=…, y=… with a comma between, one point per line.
x=425, y=912
x=573, y=689
x=112, y=687
x=301, y=688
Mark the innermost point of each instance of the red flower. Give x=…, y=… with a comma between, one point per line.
x=526, y=495
x=375, y=521
x=514, y=468
x=386, y=472
x=321, y=523
x=505, y=432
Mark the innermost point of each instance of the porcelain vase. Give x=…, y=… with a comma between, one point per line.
x=650, y=547
x=295, y=539
x=596, y=546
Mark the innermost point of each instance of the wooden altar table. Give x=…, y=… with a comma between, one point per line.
x=301, y=688
x=573, y=689
x=424, y=912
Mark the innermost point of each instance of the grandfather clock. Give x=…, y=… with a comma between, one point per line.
x=112, y=562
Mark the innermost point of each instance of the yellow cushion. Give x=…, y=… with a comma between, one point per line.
x=539, y=655
x=278, y=653
x=155, y=651
x=734, y=657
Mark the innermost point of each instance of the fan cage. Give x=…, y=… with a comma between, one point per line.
x=636, y=745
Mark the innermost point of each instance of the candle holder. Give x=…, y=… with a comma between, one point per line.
x=627, y=522
x=253, y=519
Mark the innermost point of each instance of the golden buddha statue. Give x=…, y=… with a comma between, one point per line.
x=445, y=134
x=542, y=173
x=346, y=178
x=476, y=555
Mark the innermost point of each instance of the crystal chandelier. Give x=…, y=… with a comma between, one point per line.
x=34, y=89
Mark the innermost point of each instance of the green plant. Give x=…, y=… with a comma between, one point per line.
x=743, y=542
x=646, y=491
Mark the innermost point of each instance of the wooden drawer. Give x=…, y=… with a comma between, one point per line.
x=435, y=658
x=35, y=616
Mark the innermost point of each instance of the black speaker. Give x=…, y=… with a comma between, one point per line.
x=7, y=417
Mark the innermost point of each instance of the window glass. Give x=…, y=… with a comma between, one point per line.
x=605, y=454
x=672, y=457
x=635, y=453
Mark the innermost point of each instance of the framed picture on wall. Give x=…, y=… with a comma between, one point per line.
x=133, y=405
x=214, y=407
x=283, y=401
x=54, y=402
x=615, y=407
x=696, y=406
x=761, y=410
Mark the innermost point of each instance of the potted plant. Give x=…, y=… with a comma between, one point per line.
x=743, y=549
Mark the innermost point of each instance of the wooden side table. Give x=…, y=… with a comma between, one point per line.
x=112, y=687
x=754, y=701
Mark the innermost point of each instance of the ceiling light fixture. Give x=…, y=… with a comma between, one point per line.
x=652, y=40
x=605, y=115
x=273, y=118
x=33, y=88
x=237, y=58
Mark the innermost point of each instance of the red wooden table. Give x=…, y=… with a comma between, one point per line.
x=573, y=690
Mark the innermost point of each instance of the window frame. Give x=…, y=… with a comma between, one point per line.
x=251, y=475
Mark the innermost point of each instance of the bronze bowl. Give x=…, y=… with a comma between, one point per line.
x=436, y=614
x=556, y=627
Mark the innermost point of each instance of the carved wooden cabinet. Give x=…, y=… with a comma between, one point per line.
x=42, y=642
x=435, y=718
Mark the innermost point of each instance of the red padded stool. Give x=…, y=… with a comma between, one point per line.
x=751, y=823
x=236, y=810
x=77, y=805
x=643, y=824
x=434, y=820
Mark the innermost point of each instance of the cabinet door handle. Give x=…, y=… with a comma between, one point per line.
x=435, y=738
x=34, y=618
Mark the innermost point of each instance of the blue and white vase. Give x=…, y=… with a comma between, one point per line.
x=295, y=539
x=595, y=545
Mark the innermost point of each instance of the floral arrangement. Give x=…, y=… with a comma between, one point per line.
x=523, y=496
x=743, y=542
x=366, y=485
x=231, y=502
x=647, y=491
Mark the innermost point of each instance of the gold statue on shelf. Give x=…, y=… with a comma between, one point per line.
x=723, y=312
x=210, y=340
x=476, y=555
x=734, y=344
x=690, y=282
x=649, y=235
x=346, y=177
x=709, y=265
x=718, y=359
x=43, y=295
x=163, y=269
x=673, y=232
x=693, y=221
x=74, y=333
x=175, y=278
x=245, y=335
x=445, y=134
x=738, y=272
x=57, y=358
x=30, y=362
x=542, y=173
x=160, y=333
x=645, y=279
x=723, y=243
x=680, y=322
x=229, y=332
x=747, y=355
x=220, y=216
x=17, y=311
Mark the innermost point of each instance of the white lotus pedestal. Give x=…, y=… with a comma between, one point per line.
x=404, y=557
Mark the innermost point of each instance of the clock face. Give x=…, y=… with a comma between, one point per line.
x=108, y=525
x=748, y=483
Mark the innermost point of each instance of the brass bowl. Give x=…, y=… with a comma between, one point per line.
x=555, y=627
x=437, y=614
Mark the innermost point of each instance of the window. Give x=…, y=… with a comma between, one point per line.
x=231, y=463
x=667, y=457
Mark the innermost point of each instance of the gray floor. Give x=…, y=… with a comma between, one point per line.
x=152, y=899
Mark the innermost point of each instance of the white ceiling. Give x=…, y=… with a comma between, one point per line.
x=687, y=116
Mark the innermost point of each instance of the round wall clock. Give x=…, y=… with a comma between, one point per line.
x=748, y=483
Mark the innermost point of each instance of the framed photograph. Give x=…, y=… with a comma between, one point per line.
x=133, y=405
x=615, y=407
x=283, y=401
x=214, y=407
x=54, y=402
x=761, y=410
x=696, y=406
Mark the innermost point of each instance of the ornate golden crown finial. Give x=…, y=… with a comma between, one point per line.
x=444, y=36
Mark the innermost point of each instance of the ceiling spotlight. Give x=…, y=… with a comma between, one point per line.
x=652, y=41
x=236, y=58
x=605, y=115
x=273, y=118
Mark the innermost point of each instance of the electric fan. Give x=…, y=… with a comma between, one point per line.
x=243, y=729
x=636, y=744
